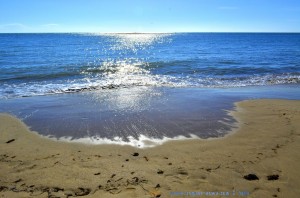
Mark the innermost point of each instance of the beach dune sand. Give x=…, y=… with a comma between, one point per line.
x=259, y=159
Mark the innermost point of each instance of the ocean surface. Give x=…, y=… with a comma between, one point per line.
x=42, y=64
x=142, y=89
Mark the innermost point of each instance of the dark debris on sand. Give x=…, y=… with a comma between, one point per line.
x=9, y=141
x=273, y=177
x=251, y=177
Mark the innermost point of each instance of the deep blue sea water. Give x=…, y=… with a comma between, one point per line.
x=42, y=64
x=142, y=89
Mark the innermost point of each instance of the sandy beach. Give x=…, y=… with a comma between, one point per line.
x=259, y=159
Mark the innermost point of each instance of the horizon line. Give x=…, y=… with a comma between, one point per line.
x=92, y=32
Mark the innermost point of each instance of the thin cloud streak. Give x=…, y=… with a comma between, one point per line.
x=9, y=25
x=14, y=27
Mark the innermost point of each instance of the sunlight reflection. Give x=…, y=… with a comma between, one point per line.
x=123, y=100
x=135, y=41
x=123, y=67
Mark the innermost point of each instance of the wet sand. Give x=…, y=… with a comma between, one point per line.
x=260, y=159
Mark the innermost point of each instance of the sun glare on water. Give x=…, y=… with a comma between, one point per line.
x=137, y=41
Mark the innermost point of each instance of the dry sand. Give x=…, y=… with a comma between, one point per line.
x=266, y=145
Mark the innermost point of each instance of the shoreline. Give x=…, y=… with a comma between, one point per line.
x=260, y=159
x=124, y=113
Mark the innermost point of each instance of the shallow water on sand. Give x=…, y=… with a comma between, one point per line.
x=138, y=115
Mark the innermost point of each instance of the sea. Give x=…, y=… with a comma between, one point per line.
x=130, y=88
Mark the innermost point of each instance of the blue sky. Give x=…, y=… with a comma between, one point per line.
x=149, y=15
